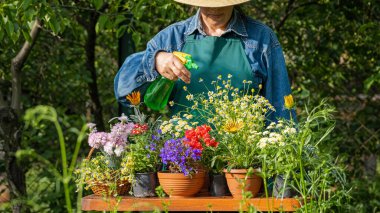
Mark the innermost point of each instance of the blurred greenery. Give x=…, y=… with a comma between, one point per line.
x=331, y=47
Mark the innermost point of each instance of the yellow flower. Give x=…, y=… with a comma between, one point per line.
x=289, y=102
x=233, y=126
x=134, y=98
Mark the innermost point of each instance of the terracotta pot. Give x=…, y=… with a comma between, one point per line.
x=235, y=180
x=179, y=185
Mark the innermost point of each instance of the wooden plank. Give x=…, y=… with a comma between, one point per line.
x=128, y=203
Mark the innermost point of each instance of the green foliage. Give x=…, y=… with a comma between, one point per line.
x=35, y=116
x=331, y=50
x=142, y=156
x=16, y=18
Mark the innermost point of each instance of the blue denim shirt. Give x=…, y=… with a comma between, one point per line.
x=260, y=43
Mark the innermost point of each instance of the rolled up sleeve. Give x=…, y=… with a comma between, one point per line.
x=136, y=72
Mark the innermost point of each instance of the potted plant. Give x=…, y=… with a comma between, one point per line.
x=141, y=163
x=278, y=153
x=201, y=137
x=239, y=117
x=102, y=173
x=183, y=177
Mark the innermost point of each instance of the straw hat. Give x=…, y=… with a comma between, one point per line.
x=212, y=3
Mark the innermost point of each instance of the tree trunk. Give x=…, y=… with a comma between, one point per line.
x=18, y=63
x=10, y=126
x=96, y=106
x=10, y=137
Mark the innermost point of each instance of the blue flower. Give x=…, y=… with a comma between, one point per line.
x=179, y=156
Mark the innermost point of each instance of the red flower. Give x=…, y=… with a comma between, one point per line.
x=139, y=129
x=194, y=137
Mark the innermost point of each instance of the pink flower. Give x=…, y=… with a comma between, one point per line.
x=120, y=132
x=108, y=148
x=98, y=139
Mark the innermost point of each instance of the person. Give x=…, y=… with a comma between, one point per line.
x=222, y=41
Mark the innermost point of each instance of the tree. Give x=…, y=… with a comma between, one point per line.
x=16, y=23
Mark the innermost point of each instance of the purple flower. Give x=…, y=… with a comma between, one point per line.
x=179, y=156
x=98, y=139
x=120, y=132
x=152, y=146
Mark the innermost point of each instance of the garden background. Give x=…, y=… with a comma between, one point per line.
x=65, y=54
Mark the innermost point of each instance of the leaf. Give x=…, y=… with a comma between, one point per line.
x=120, y=32
x=9, y=27
x=15, y=36
x=120, y=19
x=26, y=36
x=26, y=4
x=103, y=19
x=98, y=4
x=1, y=34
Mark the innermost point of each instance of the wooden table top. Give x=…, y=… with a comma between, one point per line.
x=190, y=204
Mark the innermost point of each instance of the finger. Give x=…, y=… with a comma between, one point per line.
x=169, y=75
x=181, y=70
x=180, y=74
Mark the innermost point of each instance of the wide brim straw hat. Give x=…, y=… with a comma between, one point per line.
x=212, y=3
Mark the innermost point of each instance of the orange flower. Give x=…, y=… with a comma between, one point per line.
x=134, y=98
x=289, y=102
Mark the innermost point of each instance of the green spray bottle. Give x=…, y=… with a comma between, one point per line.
x=158, y=93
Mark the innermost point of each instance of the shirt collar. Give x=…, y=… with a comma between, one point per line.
x=236, y=25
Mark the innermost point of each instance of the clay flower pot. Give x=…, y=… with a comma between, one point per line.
x=178, y=185
x=235, y=180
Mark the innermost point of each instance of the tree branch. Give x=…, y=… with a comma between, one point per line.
x=291, y=9
x=17, y=64
x=288, y=11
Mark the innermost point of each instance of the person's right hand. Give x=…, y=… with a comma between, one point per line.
x=170, y=67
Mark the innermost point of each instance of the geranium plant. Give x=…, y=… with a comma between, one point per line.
x=201, y=138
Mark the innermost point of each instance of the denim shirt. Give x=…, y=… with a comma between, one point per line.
x=260, y=43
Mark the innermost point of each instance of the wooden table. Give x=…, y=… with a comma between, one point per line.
x=128, y=203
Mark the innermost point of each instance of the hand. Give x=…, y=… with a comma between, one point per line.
x=170, y=67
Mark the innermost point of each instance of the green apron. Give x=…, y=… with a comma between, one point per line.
x=215, y=56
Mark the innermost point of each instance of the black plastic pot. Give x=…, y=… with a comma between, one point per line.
x=144, y=184
x=218, y=185
x=279, y=188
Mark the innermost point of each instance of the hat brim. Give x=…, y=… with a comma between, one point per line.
x=212, y=3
